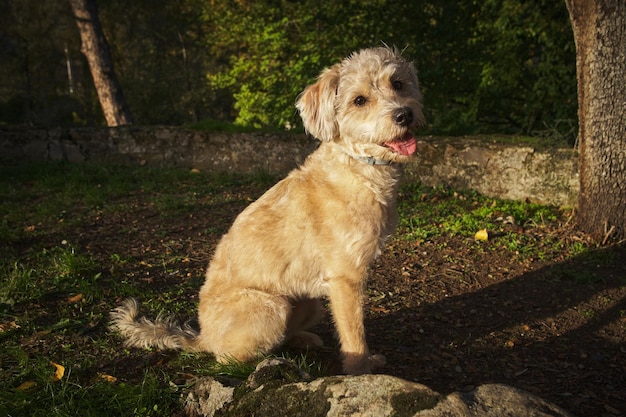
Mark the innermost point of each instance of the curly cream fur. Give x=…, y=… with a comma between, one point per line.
x=162, y=333
x=314, y=234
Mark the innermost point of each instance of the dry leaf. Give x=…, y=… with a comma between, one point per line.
x=107, y=378
x=26, y=385
x=58, y=374
x=4, y=327
x=75, y=298
x=482, y=235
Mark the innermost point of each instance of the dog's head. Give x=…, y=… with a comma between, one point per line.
x=369, y=104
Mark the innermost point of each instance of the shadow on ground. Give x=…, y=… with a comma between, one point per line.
x=557, y=331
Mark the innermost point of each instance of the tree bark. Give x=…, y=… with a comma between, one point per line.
x=600, y=36
x=96, y=51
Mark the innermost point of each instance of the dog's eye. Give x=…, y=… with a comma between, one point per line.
x=360, y=101
x=397, y=85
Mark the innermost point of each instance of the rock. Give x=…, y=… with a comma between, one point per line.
x=277, y=387
x=207, y=397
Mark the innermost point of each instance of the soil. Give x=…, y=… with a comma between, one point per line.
x=449, y=312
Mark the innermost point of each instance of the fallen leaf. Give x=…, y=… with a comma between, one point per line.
x=26, y=385
x=195, y=171
x=58, y=374
x=107, y=377
x=75, y=298
x=482, y=235
x=4, y=327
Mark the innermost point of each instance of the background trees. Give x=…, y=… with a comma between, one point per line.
x=488, y=66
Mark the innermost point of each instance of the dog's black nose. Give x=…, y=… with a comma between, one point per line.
x=402, y=116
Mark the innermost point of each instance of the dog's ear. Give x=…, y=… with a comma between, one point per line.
x=316, y=105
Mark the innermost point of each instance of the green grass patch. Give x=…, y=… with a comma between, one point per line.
x=432, y=213
x=41, y=395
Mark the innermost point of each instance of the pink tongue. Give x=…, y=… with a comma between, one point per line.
x=406, y=146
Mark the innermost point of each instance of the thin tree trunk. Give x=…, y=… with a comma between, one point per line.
x=96, y=50
x=600, y=35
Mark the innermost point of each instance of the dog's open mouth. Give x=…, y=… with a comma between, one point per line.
x=406, y=145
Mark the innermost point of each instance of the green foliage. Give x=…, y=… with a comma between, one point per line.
x=529, y=54
x=497, y=66
x=275, y=48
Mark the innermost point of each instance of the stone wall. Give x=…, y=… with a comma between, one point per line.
x=518, y=172
x=515, y=172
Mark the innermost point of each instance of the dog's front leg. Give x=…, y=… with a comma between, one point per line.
x=346, y=303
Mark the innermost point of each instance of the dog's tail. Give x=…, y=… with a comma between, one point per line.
x=162, y=333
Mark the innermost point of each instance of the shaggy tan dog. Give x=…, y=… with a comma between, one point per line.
x=314, y=234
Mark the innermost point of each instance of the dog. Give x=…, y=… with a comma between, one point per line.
x=314, y=234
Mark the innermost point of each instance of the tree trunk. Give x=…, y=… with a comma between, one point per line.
x=96, y=50
x=600, y=35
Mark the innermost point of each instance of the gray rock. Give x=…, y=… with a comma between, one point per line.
x=207, y=397
x=279, y=388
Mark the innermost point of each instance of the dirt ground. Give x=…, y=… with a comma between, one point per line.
x=448, y=312
x=455, y=318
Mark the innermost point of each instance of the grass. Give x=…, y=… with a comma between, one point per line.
x=56, y=287
x=428, y=214
x=68, y=396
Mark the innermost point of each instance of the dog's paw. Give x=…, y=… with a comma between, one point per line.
x=302, y=340
x=362, y=364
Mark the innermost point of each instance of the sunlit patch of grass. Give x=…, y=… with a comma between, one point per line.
x=432, y=213
x=18, y=283
x=232, y=368
x=35, y=393
x=50, y=271
x=205, y=364
x=461, y=212
x=303, y=362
